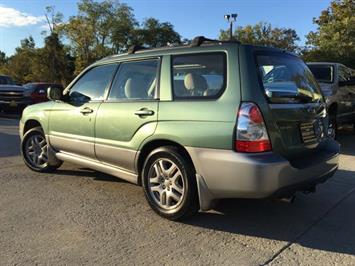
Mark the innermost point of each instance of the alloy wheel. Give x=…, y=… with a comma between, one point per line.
x=166, y=184
x=36, y=150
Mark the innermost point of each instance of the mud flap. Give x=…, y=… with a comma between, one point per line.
x=205, y=196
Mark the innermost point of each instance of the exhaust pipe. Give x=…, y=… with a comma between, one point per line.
x=288, y=200
x=309, y=190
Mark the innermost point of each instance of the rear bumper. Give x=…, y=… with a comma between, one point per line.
x=228, y=174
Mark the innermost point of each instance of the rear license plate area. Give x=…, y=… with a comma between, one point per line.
x=308, y=135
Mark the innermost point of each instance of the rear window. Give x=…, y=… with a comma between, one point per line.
x=199, y=76
x=323, y=73
x=287, y=79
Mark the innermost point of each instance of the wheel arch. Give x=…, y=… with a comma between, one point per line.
x=31, y=123
x=148, y=147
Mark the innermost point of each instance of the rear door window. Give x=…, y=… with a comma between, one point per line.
x=286, y=78
x=136, y=80
x=199, y=76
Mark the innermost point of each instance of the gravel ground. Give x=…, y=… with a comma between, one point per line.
x=78, y=216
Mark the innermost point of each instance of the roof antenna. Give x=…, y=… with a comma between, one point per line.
x=231, y=18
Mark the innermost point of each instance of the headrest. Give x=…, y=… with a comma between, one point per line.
x=195, y=82
x=135, y=88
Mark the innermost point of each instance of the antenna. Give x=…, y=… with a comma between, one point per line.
x=231, y=18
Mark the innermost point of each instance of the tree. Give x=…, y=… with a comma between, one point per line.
x=107, y=27
x=19, y=66
x=334, y=39
x=100, y=29
x=53, y=18
x=3, y=58
x=156, y=34
x=123, y=29
x=53, y=62
x=264, y=34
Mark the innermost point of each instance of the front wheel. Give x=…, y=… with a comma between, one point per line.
x=34, y=149
x=169, y=184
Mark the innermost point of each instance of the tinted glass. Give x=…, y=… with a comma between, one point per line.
x=322, y=73
x=135, y=80
x=344, y=73
x=92, y=85
x=282, y=73
x=199, y=76
x=4, y=80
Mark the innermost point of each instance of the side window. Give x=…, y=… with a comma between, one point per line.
x=344, y=74
x=199, y=75
x=135, y=81
x=92, y=85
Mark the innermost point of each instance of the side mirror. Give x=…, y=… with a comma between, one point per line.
x=54, y=94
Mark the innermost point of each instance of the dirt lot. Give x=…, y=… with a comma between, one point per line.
x=78, y=216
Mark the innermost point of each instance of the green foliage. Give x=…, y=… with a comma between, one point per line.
x=3, y=59
x=51, y=63
x=156, y=34
x=264, y=34
x=19, y=66
x=107, y=27
x=334, y=39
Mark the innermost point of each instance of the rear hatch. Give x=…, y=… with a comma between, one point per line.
x=290, y=100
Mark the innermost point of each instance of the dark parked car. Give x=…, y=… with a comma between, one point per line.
x=337, y=83
x=37, y=91
x=11, y=95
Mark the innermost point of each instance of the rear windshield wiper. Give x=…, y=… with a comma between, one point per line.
x=284, y=95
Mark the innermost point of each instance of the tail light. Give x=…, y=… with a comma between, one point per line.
x=251, y=132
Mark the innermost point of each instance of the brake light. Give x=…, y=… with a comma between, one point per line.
x=251, y=133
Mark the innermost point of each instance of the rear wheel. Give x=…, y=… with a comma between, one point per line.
x=34, y=150
x=169, y=184
x=333, y=126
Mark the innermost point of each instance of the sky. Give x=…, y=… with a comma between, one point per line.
x=22, y=18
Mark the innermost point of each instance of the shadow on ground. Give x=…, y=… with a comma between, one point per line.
x=11, y=145
x=285, y=222
x=347, y=140
x=84, y=172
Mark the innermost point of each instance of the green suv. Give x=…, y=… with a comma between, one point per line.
x=190, y=124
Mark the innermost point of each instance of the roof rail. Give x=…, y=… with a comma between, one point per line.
x=197, y=41
x=135, y=48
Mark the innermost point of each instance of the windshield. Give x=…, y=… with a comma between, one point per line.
x=322, y=73
x=5, y=80
x=284, y=74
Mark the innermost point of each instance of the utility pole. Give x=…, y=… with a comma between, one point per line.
x=231, y=18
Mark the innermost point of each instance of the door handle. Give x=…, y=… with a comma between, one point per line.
x=144, y=112
x=86, y=111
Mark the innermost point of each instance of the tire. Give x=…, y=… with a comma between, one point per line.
x=34, y=150
x=333, y=127
x=169, y=184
